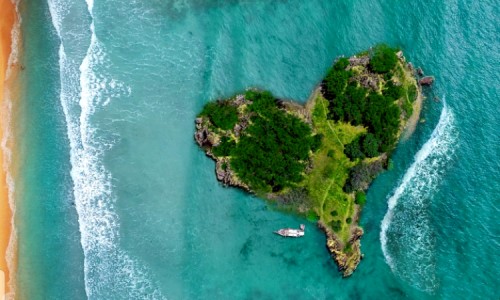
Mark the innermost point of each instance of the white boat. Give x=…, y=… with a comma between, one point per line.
x=291, y=232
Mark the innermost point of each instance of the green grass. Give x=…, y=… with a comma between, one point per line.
x=317, y=192
x=331, y=166
x=324, y=183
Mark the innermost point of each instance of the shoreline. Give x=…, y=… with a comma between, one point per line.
x=328, y=175
x=8, y=73
x=411, y=124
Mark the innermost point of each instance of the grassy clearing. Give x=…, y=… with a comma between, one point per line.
x=409, y=84
x=275, y=150
x=324, y=184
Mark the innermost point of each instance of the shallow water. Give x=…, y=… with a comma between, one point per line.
x=118, y=202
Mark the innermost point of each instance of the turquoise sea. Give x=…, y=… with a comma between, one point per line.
x=116, y=201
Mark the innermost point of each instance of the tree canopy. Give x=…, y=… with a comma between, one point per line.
x=272, y=152
x=222, y=114
x=383, y=59
x=378, y=112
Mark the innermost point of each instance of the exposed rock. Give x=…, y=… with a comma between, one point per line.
x=410, y=66
x=201, y=137
x=369, y=81
x=237, y=129
x=356, y=234
x=239, y=100
x=359, y=61
x=427, y=80
x=213, y=139
x=345, y=252
x=347, y=261
x=244, y=122
x=221, y=169
x=208, y=139
x=400, y=55
x=224, y=173
x=420, y=72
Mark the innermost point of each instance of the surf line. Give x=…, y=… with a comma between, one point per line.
x=108, y=269
x=9, y=68
x=420, y=181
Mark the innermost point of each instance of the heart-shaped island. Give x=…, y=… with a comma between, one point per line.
x=318, y=159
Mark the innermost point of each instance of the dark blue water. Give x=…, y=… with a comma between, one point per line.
x=118, y=202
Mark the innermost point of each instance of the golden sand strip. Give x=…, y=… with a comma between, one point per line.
x=412, y=122
x=8, y=19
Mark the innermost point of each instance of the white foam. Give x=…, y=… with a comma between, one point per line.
x=7, y=139
x=109, y=271
x=15, y=38
x=406, y=235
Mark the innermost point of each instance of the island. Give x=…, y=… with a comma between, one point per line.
x=318, y=159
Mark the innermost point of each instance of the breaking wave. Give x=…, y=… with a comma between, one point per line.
x=6, y=145
x=406, y=235
x=86, y=88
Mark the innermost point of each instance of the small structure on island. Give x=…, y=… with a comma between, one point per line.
x=291, y=232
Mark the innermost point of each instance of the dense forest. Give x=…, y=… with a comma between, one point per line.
x=317, y=159
x=372, y=108
x=274, y=147
x=272, y=152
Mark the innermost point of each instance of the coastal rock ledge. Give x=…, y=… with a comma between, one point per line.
x=318, y=159
x=346, y=263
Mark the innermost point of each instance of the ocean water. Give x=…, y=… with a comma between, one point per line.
x=116, y=201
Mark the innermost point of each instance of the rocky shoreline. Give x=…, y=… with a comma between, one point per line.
x=347, y=254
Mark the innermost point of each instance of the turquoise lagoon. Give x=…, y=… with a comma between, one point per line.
x=116, y=201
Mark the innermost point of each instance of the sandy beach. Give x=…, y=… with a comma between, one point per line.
x=412, y=122
x=8, y=18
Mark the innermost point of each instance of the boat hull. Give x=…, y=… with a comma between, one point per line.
x=290, y=232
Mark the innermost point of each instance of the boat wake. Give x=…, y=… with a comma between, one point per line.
x=406, y=235
x=85, y=89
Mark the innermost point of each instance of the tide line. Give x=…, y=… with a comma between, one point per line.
x=9, y=67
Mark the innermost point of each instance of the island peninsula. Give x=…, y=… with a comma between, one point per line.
x=318, y=159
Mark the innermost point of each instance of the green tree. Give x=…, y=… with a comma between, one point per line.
x=272, y=152
x=261, y=100
x=335, y=83
x=221, y=114
x=360, y=198
x=354, y=105
x=353, y=149
x=337, y=108
x=392, y=90
x=383, y=59
x=225, y=147
x=341, y=64
x=370, y=145
x=317, y=141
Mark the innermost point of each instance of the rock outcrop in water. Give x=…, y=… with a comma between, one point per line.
x=427, y=80
x=327, y=192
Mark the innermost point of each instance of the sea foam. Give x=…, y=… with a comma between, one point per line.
x=406, y=235
x=6, y=147
x=109, y=270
